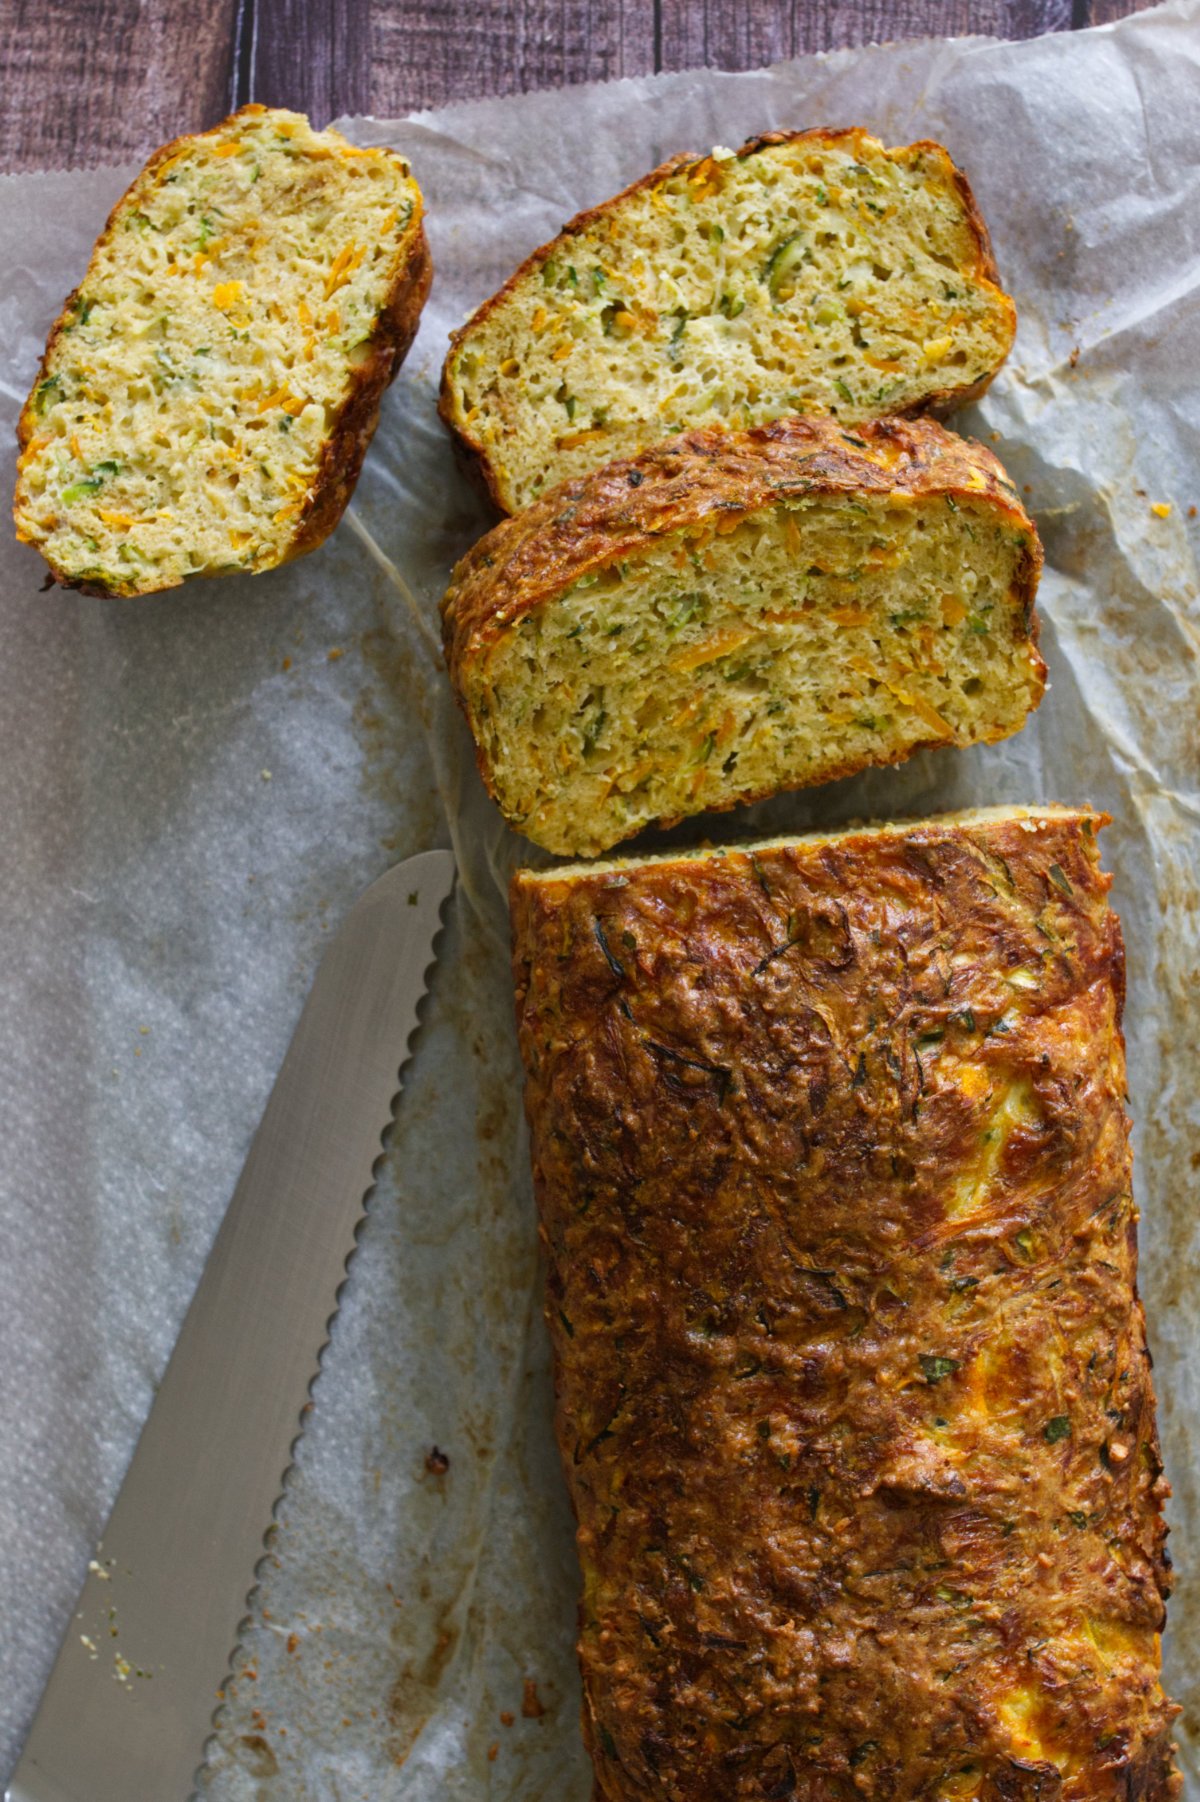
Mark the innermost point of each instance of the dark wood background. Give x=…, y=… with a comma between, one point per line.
x=85, y=81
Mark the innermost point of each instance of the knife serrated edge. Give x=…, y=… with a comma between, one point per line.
x=247, y=1620
x=181, y=1557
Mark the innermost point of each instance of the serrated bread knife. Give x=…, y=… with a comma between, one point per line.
x=129, y=1705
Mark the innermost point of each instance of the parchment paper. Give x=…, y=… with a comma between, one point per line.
x=193, y=789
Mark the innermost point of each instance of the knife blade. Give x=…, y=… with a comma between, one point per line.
x=128, y=1709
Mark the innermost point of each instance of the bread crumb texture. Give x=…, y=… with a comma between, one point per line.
x=206, y=398
x=728, y=615
x=812, y=272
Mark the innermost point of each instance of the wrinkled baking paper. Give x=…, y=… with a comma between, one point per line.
x=195, y=788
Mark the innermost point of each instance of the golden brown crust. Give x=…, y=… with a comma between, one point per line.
x=853, y=1393
x=691, y=484
x=471, y=450
x=354, y=427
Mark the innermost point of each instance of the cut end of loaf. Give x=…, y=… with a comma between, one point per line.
x=207, y=395
x=831, y=603
x=816, y=272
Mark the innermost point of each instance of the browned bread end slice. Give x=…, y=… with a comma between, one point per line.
x=208, y=394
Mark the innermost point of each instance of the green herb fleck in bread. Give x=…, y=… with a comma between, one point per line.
x=810, y=272
x=208, y=394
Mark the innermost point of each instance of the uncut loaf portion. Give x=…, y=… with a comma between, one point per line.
x=854, y=1400
x=208, y=394
x=808, y=272
x=727, y=615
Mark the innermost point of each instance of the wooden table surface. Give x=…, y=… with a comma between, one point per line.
x=85, y=81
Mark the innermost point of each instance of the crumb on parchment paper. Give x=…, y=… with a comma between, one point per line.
x=532, y=1706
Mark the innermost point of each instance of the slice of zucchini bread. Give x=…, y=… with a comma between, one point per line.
x=808, y=272
x=208, y=394
x=727, y=615
x=853, y=1395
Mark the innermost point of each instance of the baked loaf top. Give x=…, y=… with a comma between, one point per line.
x=854, y=1400
x=208, y=394
x=726, y=615
x=808, y=272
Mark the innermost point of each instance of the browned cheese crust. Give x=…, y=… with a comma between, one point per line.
x=377, y=364
x=697, y=486
x=854, y=1399
x=471, y=451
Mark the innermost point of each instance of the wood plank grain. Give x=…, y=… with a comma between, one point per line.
x=1104, y=12
x=103, y=81
x=88, y=81
x=311, y=55
x=728, y=34
x=394, y=56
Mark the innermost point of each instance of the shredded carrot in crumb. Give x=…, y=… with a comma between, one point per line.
x=31, y=450
x=289, y=510
x=116, y=519
x=310, y=348
x=540, y=320
x=390, y=222
x=227, y=294
x=695, y=656
x=344, y=264
x=76, y=451
x=229, y=149
x=922, y=708
x=706, y=179
x=953, y=610
x=239, y=539
x=303, y=312
x=574, y=439
x=562, y=351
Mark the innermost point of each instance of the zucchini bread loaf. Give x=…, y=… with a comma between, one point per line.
x=854, y=1400
x=727, y=615
x=808, y=272
x=209, y=392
